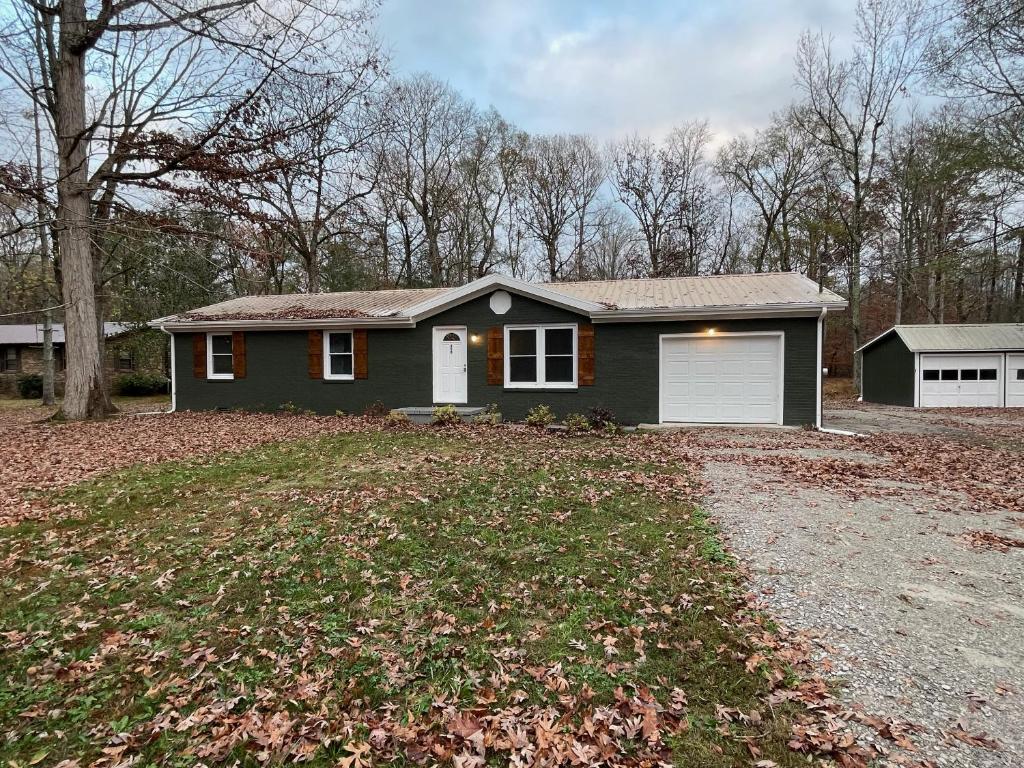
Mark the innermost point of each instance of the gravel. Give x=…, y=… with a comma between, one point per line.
x=911, y=621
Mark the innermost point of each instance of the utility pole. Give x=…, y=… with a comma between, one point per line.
x=48, y=398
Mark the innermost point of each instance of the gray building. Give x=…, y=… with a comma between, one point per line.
x=733, y=348
x=945, y=366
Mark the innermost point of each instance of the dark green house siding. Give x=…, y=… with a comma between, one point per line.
x=401, y=373
x=888, y=372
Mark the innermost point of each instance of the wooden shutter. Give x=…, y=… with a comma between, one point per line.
x=585, y=351
x=238, y=354
x=496, y=355
x=360, y=366
x=316, y=354
x=199, y=355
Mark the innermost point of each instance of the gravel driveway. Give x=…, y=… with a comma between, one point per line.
x=918, y=608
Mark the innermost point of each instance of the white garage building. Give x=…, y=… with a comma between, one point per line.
x=946, y=366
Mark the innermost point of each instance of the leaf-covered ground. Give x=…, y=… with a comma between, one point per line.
x=374, y=596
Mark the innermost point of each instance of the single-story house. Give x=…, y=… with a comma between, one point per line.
x=129, y=349
x=731, y=348
x=943, y=366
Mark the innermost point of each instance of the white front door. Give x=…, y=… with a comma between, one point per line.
x=450, y=365
x=721, y=378
x=961, y=381
x=1015, y=380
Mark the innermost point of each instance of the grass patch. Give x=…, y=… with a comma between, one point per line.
x=388, y=589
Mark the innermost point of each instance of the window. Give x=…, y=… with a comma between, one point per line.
x=10, y=360
x=220, y=362
x=1020, y=374
x=931, y=375
x=988, y=374
x=338, y=355
x=968, y=375
x=540, y=356
x=949, y=374
x=125, y=360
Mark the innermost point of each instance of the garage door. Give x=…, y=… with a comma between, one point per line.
x=721, y=379
x=1015, y=381
x=961, y=381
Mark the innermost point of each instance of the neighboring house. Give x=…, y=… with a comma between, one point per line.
x=129, y=349
x=736, y=348
x=939, y=366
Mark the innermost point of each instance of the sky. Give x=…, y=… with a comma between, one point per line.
x=612, y=68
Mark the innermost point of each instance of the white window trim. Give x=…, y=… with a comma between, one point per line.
x=541, y=382
x=209, y=358
x=328, y=376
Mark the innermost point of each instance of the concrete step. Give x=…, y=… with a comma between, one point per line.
x=425, y=414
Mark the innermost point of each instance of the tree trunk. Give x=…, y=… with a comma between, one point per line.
x=1018, y=280
x=84, y=394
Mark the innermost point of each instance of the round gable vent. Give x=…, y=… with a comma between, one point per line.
x=501, y=302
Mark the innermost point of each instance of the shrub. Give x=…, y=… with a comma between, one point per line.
x=577, y=422
x=446, y=415
x=539, y=416
x=488, y=417
x=141, y=384
x=396, y=419
x=602, y=418
x=376, y=410
x=30, y=386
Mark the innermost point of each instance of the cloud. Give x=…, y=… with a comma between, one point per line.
x=609, y=68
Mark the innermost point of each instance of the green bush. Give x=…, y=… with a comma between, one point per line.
x=141, y=384
x=577, y=422
x=396, y=419
x=446, y=415
x=539, y=416
x=30, y=386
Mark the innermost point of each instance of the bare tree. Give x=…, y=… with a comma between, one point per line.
x=847, y=103
x=431, y=130
x=660, y=186
x=561, y=177
x=165, y=80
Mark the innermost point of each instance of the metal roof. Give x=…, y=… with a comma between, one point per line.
x=32, y=333
x=964, y=337
x=606, y=298
x=746, y=290
x=386, y=303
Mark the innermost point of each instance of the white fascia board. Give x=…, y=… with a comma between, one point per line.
x=703, y=313
x=879, y=337
x=284, y=325
x=499, y=282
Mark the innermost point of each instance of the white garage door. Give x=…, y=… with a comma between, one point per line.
x=719, y=379
x=1015, y=381
x=961, y=381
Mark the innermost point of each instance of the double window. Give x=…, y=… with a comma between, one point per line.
x=220, y=362
x=540, y=356
x=339, y=356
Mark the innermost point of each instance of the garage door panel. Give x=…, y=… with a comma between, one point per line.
x=721, y=379
x=960, y=381
x=1015, y=380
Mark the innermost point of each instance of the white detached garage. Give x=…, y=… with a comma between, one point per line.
x=946, y=366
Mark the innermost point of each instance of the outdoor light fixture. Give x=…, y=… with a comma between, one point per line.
x=711, y=331
x=474, y=338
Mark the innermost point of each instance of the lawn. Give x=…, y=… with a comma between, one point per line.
x=387, y=596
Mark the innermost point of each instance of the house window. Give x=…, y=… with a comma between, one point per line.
x=540, y=356
x=988, y=374
x=125, y=360
x=220, y=363
x=1020, y=374
x=10, y=360
x=338, y=355
x=931, y=375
